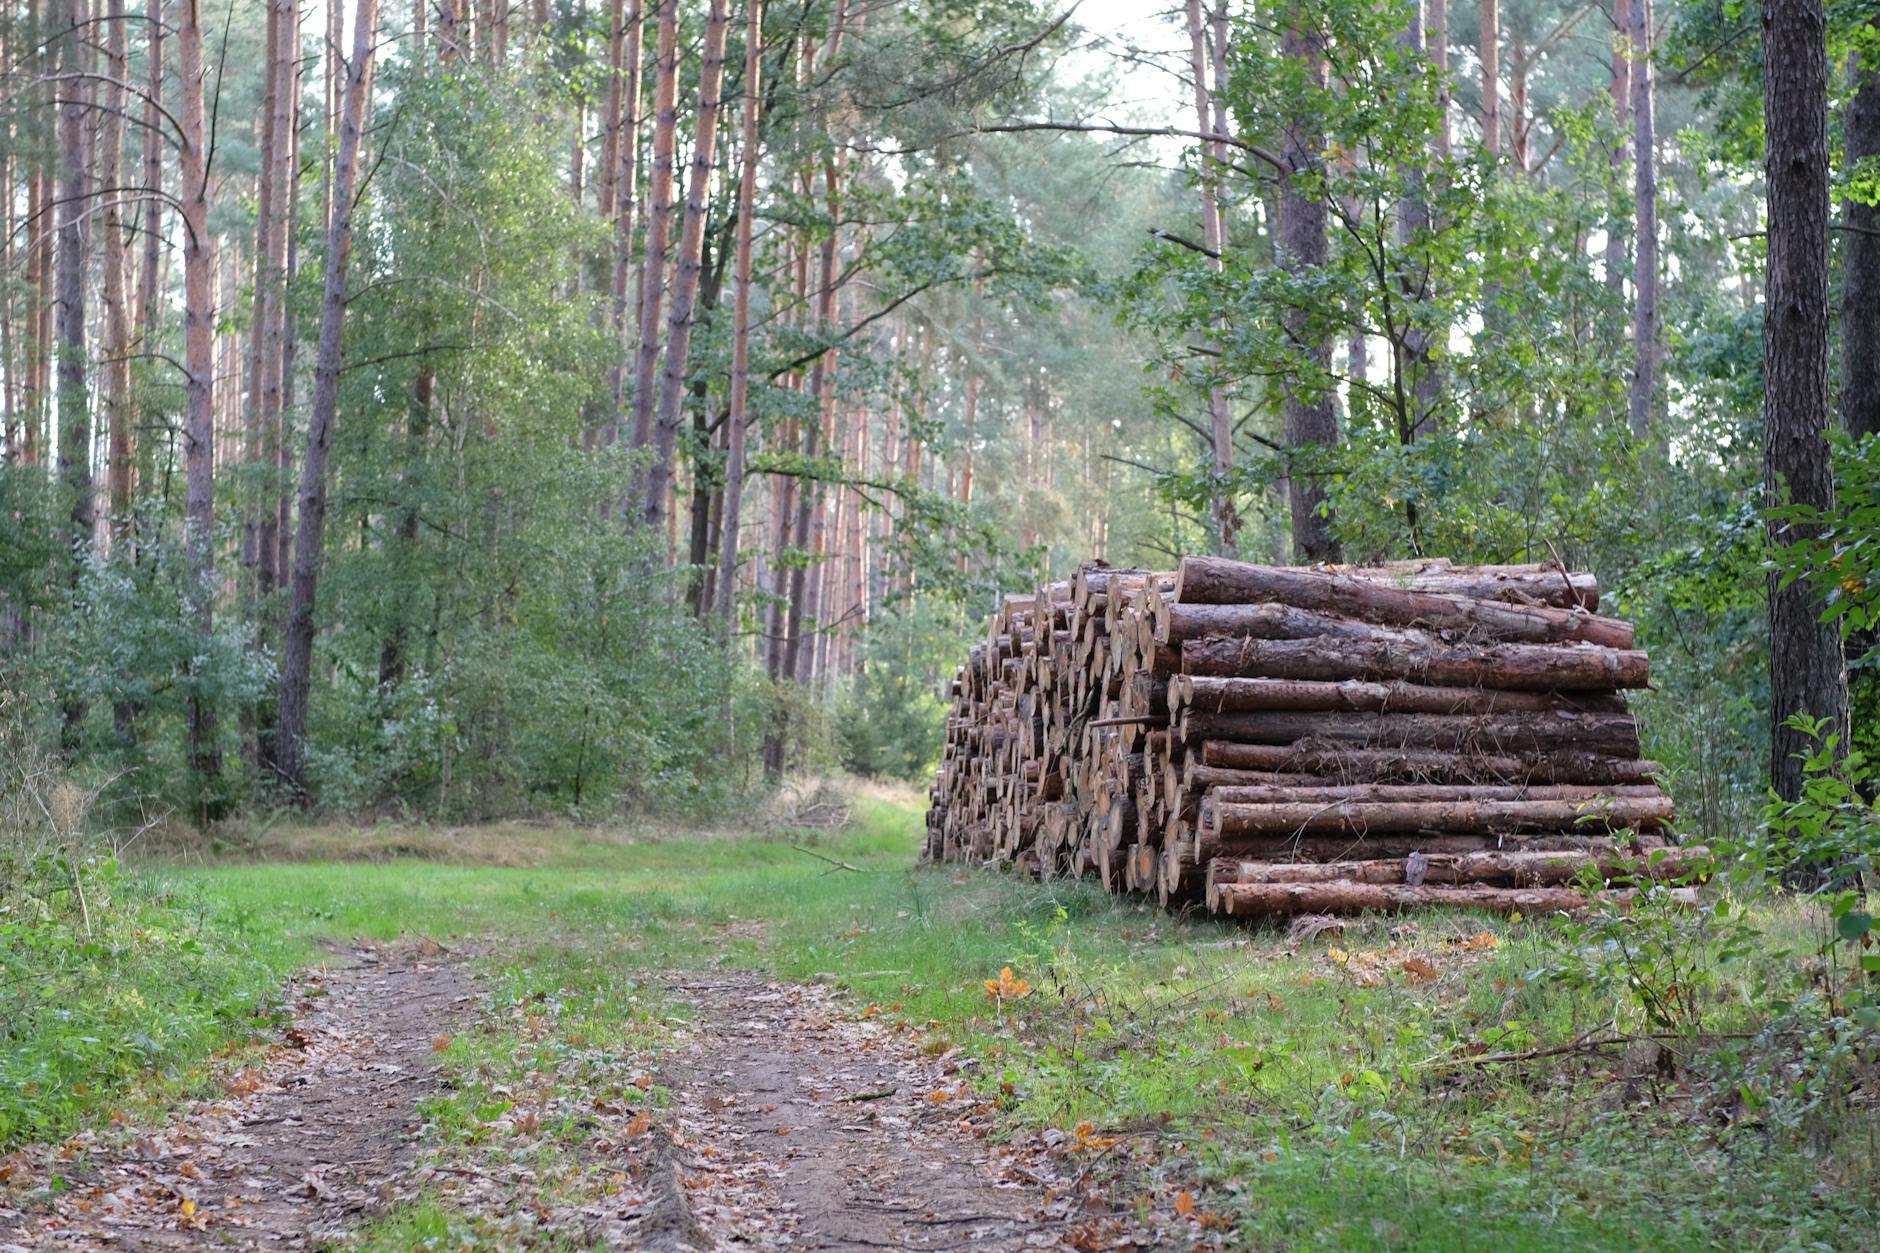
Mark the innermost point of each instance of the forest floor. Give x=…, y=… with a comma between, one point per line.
x=524, y=1037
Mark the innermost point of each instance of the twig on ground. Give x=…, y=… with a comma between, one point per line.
x=839, y=865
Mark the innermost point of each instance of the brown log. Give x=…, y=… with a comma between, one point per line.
x=1202, y=848
x=1219, y=695
x=1614, y=734
x=1345, y=763
x=1215, y=580
x=1467, y=817
x=1504, y=868
x=1257, y=900
x=1530, y=584
x=1420, y=658
x=1322, y=791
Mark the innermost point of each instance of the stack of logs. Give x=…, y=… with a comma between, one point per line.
x=1278, y=740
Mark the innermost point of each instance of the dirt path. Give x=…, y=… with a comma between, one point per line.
x=798, y=1120
x=799, y=1125
x=302, y=1148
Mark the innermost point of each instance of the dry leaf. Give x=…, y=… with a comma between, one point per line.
x=1185, y=1203
x=1007, y=987
x=1420, y=969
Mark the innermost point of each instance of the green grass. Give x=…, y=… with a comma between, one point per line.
x=1312, y=1087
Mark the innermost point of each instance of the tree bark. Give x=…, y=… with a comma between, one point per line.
x=1621, y=116
x=1220, y=414
x=1860, y=267
x=1334, y=760
x=1645, y=314
x=297, y=655
x=1211, y=581
x=1609, y=734
x=205, y=757
x=1491, y=75
x=738, y=419
x=685, y=281
x=74, y=187
x=1212, y=695
x=653, y=269
x=117, y=321
x=1807, y=673
x=1303, y=245
x=1421, y=659
x=626, y=201
x=1504, y=868
x=1256, y=900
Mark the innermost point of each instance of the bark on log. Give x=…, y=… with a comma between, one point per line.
x=1346, y=764
x=1613, y=734
x=1214, y=580
x=1257, y=900
x=1502, y=868
x=1464, y=817
x=1221, y=695
x=1419, y=658
x=1385, y=793
x=1202, y=847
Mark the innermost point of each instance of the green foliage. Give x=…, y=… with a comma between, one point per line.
x=889, y=721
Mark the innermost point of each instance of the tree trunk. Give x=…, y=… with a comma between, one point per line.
x=147, y=296
x=74, y=187
x=1860, y=267
x=653, y=270
x=626, y=199
x=1621, y=117
x=117, y=321
x=1807, y=674
x=1303, y=246
x=1645, y=313
x=689, y=262
x=1437, y=48
x=737, y=421
x=297, y=655
x=1220, y=414
x=205, y=757
x=1490, y=55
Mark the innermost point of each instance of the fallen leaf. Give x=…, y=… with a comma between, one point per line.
x=1420, y=969
x=1185, y=1203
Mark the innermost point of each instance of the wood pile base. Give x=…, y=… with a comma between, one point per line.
x=1266, y=740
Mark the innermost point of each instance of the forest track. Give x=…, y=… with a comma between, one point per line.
x=301, y=1148
x=798, y=1124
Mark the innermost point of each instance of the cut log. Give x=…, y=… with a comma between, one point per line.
x=1258, y=900
x=1611, y=734
x=1419, y=658
x=1214, y=695
x=1201, y=848
x=1383, y=793
x=1348, y=764
x=1450, y=817
x=1501, y=868
x=1217, y=581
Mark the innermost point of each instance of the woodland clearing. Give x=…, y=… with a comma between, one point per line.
x=799, y=1038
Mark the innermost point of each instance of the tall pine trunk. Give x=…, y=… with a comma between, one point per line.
x=1806, y=671
x=205, y=755
x=1860, y=267
x=688, y=264
x=1490, y=56
x=1621, y=118
x=659, y=225
x=1303, y=246
x=1220, y=413
x=737, y=421
x=1645, y=314
x=297, y=654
